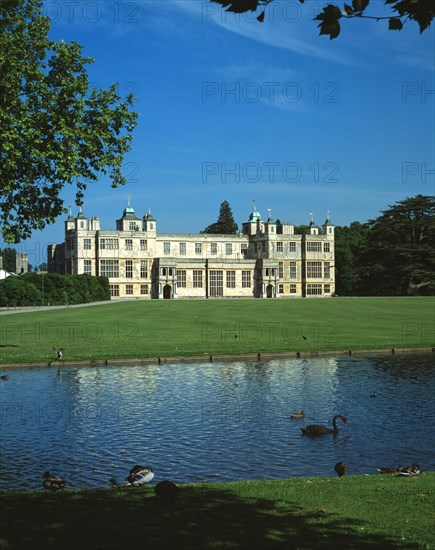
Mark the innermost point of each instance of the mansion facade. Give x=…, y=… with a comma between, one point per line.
x=266, y=260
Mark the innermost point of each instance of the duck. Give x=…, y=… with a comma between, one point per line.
x=318, y=429
x=411, y=471
x=4, y=377
x=297, y=415
x=139, y=475
x=374, y=394
x=53, y=483
x=341, y=468
x=59, y=352
x=166, y=489
x=389, y=470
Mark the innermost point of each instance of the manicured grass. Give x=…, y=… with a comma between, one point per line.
x=327, y=513
x=141, y=329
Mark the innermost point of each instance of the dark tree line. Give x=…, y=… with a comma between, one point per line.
x=392, y=255
x=9, y=256
x=52, y=289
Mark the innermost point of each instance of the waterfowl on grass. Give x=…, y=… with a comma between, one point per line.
x=53, y=483
x=318, y=429
x=297, y=415
x=59, y=352
x=389, y=470
x=166, y=489
x=341, y=468
x=410, y=471
x=139, y=475
x=114, y=483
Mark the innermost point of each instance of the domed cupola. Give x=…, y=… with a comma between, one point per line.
x=81, y=220
x=328, y=227
x=313, y=229
x=129, y=221
x=253, y=224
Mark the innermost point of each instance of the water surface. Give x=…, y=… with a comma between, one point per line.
x=215, y=421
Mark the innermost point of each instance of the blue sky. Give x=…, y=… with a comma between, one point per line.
x=231, y=109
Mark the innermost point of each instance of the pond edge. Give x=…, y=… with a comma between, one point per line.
x=211, y=358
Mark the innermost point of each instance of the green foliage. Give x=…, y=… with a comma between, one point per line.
x=41, y=267
x=329, y=24
x=9, y=256
x=400, y=256
x=14, y=291
x=420, y=11
x=301, y=229
x=392, y=255
x=55, y=130
x=225, y=224
x=52, y=289
x=350, y=246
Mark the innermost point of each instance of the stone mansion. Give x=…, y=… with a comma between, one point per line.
x=266, y=260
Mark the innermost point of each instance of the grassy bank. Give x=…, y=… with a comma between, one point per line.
x=350, y=512
x=159, y=328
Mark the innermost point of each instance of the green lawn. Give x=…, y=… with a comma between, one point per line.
x=141, y=329
x=318, y=513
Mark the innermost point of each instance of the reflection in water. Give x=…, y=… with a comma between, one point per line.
x=215, y=421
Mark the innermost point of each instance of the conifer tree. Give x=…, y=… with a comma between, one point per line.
x=400, y=255
x=225, y=224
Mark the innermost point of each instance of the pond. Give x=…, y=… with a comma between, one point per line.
x=217, y=421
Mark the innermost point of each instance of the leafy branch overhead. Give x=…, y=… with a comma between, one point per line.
x=56, y=129
x=420, y=11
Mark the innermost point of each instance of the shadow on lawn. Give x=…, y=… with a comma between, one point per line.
x=199, y=518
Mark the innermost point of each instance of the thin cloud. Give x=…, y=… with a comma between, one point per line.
x=293, y=33
x=251, y=72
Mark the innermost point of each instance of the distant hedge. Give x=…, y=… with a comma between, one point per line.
x=52, y=289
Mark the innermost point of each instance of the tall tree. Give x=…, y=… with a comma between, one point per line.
x=400, y=255
x=54, y=129
x=9, y=256
x=225, y=224
x=420, y=11
x=350, y=249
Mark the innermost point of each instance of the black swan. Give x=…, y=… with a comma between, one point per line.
x=53, y=483
x=341, y=468
x=318, y=429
